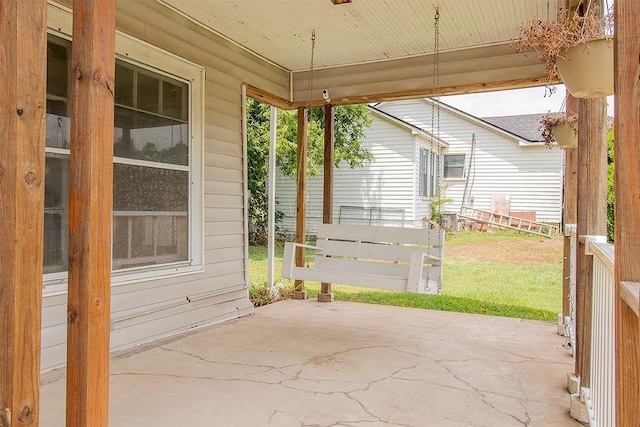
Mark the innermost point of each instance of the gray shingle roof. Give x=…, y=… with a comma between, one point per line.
x=525, y=126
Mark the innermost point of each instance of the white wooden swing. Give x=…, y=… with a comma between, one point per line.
x=394, y=258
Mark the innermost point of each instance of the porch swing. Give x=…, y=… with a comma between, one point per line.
x=393, y=258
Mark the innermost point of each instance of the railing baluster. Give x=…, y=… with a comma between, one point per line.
x=601, y=401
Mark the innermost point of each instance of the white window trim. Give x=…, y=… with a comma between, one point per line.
x=458, y=178
x=420, y=152
x=147, y=56
x=433, y=149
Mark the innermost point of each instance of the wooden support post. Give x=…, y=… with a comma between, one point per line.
x=592, y=217
x=627, y=210
x=325, y=294
x=23, y=73
x=301, y=200
x=90, y=211
x=570, y=209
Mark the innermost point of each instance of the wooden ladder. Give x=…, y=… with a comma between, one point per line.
x=508, y=222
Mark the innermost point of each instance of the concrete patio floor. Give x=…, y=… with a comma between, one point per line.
x=304, y=363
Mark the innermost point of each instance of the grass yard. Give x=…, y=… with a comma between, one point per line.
x=499, y=274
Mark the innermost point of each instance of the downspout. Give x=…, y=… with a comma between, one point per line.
x=271, y=194
x=246, y=184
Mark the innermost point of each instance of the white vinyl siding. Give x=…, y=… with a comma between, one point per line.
x=530, y=175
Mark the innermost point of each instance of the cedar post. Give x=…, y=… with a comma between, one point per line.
x=90, y=211
x=301, y=202
x=23, y=73
x=570, y=213
x=627, y=209
x=325, y=294
x=592, y=218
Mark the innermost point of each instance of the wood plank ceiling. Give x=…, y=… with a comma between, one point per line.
x=362, y=31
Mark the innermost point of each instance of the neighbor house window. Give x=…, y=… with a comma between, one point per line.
x=453, y=166
x=152, y=171
x=429, y=169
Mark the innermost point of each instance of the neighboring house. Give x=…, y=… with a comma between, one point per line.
x=507, y=161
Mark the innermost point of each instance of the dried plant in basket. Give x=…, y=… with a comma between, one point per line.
x=550, y=38
x=548, y=121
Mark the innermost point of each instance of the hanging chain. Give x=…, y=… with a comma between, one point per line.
x=435, y=124
x=436, y=71
x=310, y=81
x=435, y=106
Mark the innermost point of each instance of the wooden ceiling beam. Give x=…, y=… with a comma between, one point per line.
x=426, y=92
x=465, y=71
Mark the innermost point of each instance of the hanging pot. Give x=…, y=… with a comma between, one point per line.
x=565, y=135
x=587, y=69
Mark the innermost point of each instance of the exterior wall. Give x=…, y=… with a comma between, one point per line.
x=530, y=175
x=146, y=308
x=389, y=182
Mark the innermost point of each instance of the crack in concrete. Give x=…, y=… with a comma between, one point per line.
x=364, y=408
x=494, y=360
x=267, y=368
x=483, y=396
x=520, y=356
x=424, y=380
x=194, y=377
x=524, y=393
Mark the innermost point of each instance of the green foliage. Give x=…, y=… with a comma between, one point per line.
x=257, y=162
x=260, y=295
x=437, y=201
x=350, y=122
x=610, y=186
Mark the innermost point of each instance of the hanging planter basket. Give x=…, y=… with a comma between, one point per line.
x=565, y=135
x=587, y=69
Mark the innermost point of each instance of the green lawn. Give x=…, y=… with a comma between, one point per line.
x=499, y=274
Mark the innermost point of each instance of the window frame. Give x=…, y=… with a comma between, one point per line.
x=445, y=168
x=147, y=57
x=428, y=172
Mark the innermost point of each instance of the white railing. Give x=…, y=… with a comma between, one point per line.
x=600, y=398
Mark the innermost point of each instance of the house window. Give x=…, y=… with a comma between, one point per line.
x=151, y=169
x=153, y=176
x=429, y=168
x=453, y=166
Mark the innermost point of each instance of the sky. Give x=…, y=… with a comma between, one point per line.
x=512, y=102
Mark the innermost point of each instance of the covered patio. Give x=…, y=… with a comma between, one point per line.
x=306, y=363
x=83, y=83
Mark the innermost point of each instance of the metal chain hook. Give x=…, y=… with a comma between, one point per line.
x=310, y=82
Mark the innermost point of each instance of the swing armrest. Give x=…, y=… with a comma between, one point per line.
x=416, y=267
x=302, y=245
x=288, y=259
